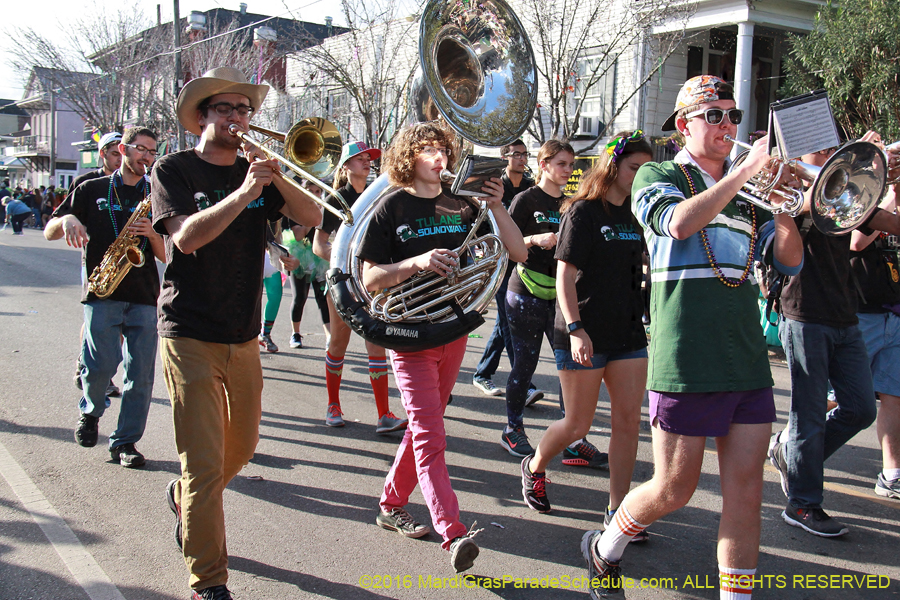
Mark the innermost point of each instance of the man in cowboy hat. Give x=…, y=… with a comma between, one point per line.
x=213, y=207
x=707, y=377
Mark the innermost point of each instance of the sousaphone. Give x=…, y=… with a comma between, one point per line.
x=478, y=73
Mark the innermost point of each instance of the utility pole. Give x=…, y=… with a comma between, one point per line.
x=176, y=26
x=52, y=183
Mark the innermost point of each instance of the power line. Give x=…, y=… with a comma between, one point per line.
x=183, y=48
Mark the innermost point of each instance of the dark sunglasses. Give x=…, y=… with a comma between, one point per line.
x=714, y=116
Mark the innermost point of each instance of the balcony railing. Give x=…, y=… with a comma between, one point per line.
x=32, y=145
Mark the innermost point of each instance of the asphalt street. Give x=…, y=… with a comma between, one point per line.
x=301, y=515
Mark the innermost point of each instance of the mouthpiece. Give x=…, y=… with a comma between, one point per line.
x=234, y=129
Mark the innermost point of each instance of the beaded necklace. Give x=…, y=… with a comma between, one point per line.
x=109, y=202
x=710, y=255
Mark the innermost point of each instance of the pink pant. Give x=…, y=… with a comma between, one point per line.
x=425, y=380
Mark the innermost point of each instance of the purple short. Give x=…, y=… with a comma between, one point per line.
x=710, y=414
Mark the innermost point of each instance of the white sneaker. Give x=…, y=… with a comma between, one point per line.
x=486, y=386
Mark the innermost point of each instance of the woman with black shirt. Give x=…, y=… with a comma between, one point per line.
x=530, y=304
x=352, y=172
x=415, y=229
x=599, y=335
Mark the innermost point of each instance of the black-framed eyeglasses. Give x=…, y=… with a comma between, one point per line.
x=714, y=116
x=518, y=155
x=143, y=150
x=224, y=109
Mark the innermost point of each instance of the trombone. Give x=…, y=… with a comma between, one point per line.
x=313, y=147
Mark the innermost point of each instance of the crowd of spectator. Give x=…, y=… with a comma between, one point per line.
x=28, y=207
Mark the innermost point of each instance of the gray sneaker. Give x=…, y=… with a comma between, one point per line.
x=889, y=488
x=464, y=551
x=814, y=520
x=401, y=521
x=389, y=422
x=265, y=341
x=486, y=386
x=333, y=416
x=776, y=457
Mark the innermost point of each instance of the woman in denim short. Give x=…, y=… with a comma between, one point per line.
x=599, y=335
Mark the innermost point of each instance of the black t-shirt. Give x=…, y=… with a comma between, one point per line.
x=535, y=211
x=91, y=203
x=876, y=270
x=510, y=191
x=605, y=247
x=330, y=221
x=824, y=292
x=404, y=226
x=96, y=173
x=213, y=294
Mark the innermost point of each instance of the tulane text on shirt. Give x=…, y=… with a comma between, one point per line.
x=258, y=203
x=444, y=224
x=619, y=232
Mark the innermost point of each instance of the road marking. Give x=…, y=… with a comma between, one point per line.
x=92, y=579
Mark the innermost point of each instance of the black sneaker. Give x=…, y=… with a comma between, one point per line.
x=585, y=454
x=534, y=488
x=533, y=396
x=112, y=390
x=516, y=442
x=814, y=520
x=86, y=432
x=643, y=536
x=176, y=508
x=605, y=576
x=127, y=456
x=216, y=592
x=776, y=457
x=889, y=488
x=463, y=552
x=402, y=522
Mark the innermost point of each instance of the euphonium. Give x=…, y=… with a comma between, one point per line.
x=479, y=73
x=120, y=257
x=844, y=191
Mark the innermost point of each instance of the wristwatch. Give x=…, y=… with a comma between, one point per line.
x=575, y=326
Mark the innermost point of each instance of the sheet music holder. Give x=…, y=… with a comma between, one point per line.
x=803, y=124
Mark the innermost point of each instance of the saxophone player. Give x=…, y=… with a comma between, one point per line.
x=92, y=218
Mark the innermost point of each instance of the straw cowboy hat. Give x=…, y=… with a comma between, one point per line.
x=221, y=80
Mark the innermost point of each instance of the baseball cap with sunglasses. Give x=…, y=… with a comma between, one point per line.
x=714, y=116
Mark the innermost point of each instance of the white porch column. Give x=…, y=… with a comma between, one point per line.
x=743, y=70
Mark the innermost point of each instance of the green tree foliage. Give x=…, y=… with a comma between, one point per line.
x=853, y=53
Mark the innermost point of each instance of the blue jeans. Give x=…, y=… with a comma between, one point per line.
x=816, y=354
x=499, y=338
x=101, y=352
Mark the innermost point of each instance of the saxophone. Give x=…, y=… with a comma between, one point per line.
x=120, y=257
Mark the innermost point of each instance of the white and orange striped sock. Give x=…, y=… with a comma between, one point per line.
x=623, y=527
x=735, y=584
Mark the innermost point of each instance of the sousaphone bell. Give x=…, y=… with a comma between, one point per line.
x=478, y=73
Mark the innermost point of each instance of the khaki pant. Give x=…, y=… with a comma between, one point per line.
x=216, y=392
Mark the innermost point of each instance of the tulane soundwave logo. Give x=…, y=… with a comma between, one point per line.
x=548, y=217
x=405, y=233
x=202, y=201
x=621, y=232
